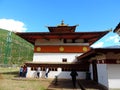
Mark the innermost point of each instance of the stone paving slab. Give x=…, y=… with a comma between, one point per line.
x=91, y=85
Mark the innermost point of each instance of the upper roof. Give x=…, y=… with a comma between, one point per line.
x=117, y=28
x=62, y=28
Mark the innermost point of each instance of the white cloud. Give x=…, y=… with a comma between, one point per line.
x=98, y=45
x=12, y=25
x=114, y=39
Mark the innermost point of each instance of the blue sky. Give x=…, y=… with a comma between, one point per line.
x=34, y=15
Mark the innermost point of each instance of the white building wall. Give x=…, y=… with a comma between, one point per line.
x=102, y=74
x=65, y=74
x=53, y=74
x=54, y=57
x=114, y=76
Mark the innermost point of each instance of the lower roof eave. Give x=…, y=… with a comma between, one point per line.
x=83, y=67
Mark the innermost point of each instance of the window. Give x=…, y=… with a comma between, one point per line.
x=64, y=60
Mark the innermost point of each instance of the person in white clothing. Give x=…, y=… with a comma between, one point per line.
x=46, y=72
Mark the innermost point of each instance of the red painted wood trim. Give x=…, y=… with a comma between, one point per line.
x=58, y=49
x=108, y=61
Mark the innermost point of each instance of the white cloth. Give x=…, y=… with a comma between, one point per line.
x=47, y=70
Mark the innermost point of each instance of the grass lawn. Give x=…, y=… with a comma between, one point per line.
x=9, y=80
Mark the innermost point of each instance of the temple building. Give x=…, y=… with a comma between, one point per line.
x=61, y=50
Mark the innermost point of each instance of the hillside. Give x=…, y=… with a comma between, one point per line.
x=13, y=49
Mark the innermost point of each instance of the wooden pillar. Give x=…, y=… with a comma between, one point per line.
x=95, y=74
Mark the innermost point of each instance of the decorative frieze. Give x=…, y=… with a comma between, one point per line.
x=106, y=58
x=57, y=49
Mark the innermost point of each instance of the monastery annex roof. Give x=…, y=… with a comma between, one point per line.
x=99, y=51
x=88, y=37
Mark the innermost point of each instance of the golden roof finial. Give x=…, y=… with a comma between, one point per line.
x=62, y=23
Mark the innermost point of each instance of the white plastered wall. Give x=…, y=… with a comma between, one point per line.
x=54, y=57
x=53, y=74
x=114, y=76
x=102, y=74
x=65, y=74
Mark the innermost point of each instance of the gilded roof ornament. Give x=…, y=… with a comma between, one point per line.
x=62, y=23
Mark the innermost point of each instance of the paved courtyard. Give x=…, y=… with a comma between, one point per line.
x=66, y=84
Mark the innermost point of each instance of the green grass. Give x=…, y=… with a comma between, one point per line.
x=8, y=81
x=17, y=51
